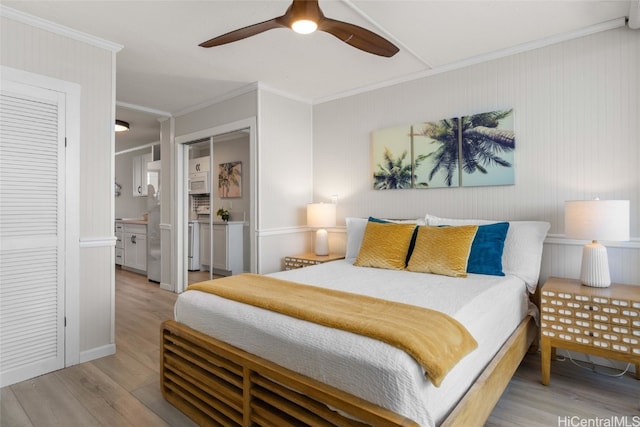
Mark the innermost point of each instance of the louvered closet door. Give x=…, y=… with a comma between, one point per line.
x=31, y=231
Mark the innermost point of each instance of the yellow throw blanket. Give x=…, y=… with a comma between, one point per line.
x=434, y=339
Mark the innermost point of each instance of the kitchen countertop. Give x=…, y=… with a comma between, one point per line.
x=139, y=221
x=216, y=221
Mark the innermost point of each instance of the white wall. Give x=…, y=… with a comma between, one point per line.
x=44, y=52
x=576, y=105
x=285, y=178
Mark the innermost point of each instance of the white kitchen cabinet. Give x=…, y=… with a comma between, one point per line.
x=200, y=164
x=205, y=246
x=135, y=247
x=227, y=247
x=228, y=257
x=140, y=174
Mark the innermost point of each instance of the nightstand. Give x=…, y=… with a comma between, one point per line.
x=603, y=322
x=305, y=260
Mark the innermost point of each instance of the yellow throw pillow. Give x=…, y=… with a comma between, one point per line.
x=442, y=250
x=385, y=245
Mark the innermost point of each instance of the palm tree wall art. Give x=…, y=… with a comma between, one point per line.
x=488, y=145
x=476, y=150
x=438, y=142
x=230, y=180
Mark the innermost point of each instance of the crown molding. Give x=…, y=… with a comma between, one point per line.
x=142, y=108
x=43, y=24
x=265, y=87
x=521, y=48
x=248, y=88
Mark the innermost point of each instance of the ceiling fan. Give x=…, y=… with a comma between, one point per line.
x=304, y=17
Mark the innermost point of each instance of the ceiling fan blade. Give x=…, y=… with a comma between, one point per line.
x=245, y=32
x=358, y=37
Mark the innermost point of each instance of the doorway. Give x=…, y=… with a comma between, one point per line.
x=215, y=245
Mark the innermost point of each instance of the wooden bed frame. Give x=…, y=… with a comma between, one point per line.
x=215, y=383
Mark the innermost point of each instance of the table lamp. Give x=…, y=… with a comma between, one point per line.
x=321, y=215
x=596, y=220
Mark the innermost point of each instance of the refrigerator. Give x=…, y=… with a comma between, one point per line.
x=193, y=255
x=154, y=266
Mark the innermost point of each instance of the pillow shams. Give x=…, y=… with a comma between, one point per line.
x=442, y=250
x=355, y=233
x=487, y=249
x=523, y=245
x=385, y=245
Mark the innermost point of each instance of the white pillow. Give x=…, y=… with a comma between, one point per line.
x=522, y=253
x=355, y=233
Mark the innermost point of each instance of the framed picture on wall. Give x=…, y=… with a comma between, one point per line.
x=473, y=150
x=422, y=155
x=488, y=146
x=230, y=180
x=391, y=158
x=436, y=153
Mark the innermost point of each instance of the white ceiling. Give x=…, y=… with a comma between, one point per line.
x=161, y=67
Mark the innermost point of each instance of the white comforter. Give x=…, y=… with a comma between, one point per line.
x=489, y=307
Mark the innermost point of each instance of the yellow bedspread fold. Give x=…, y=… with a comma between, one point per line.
x=434, y=339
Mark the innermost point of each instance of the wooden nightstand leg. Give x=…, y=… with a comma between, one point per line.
x=638, y=371
x=545, y=354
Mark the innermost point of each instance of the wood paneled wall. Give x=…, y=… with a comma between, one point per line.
x=577, y=109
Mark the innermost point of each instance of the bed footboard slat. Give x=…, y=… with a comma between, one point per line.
x=206, y=360
x=204, y=402
x=229, y=395
x=289, y=400
x=200, y=411
x=264, y=416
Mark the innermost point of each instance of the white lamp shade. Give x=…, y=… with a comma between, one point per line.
x=597, y=219
x=321, y=215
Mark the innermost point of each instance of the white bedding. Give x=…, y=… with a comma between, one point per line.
x=490, y=307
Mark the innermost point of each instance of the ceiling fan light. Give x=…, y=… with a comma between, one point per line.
x=304, y=26
x=121, y=126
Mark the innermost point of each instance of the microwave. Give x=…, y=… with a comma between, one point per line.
x=199, y=183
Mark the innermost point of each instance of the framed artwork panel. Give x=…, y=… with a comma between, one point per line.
x=488, y=146
x=230, y=180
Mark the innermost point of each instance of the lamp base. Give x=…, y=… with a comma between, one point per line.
x=322, y=242
x=595, y=266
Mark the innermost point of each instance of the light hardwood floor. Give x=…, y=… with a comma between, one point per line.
x=123, y=390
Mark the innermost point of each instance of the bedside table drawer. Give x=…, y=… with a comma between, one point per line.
x=601, y=321
x=291, y=263
x=590, y=317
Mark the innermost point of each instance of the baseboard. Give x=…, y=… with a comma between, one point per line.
x=167, y=287
x=98, y=352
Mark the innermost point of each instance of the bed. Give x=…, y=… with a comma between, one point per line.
x=228, y=363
